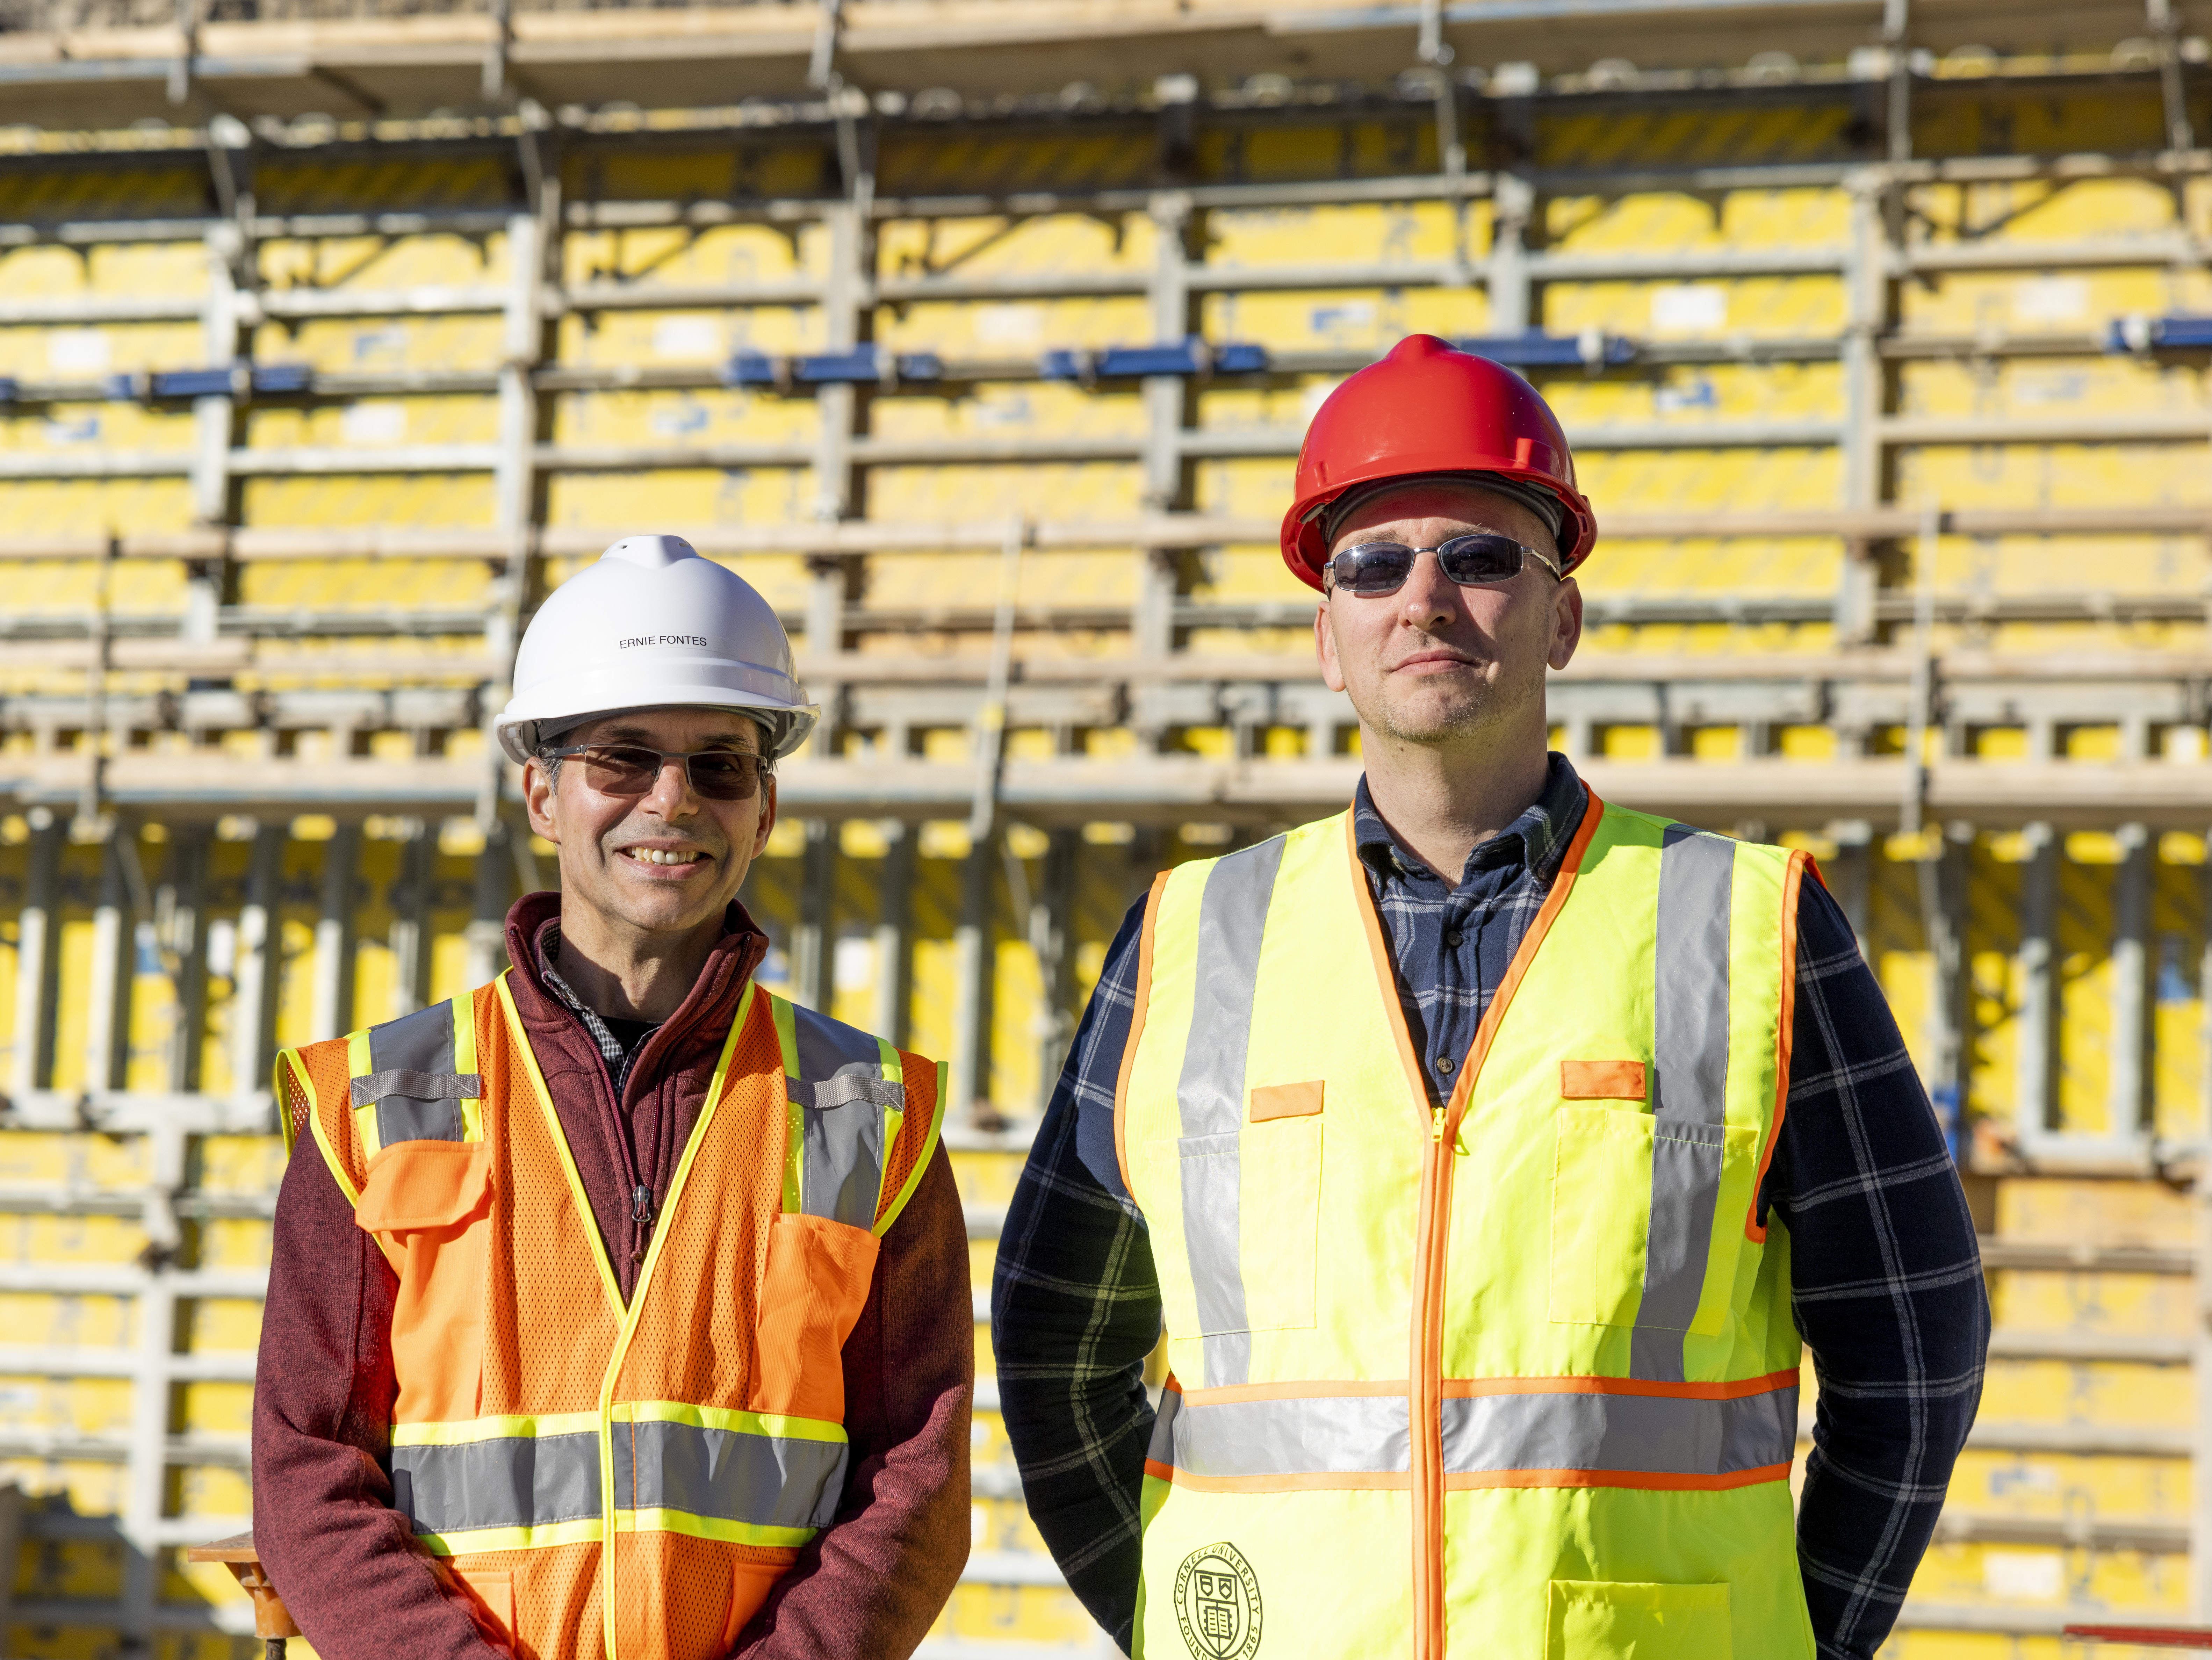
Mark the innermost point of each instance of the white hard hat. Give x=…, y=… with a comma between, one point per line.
x=650, y=624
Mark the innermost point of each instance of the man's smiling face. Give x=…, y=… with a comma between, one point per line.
x=668, y=862
x=1435, y=661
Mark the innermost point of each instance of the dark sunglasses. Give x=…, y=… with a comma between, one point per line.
x=1373, y=569
x=630, y=769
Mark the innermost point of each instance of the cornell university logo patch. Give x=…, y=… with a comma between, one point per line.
x=1218, y=1603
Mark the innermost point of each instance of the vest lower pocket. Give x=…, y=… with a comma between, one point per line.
x=492, y=1594
x=1647, y=1218
x=1604, y=1619
x=428, y=1205
x=813, y=1290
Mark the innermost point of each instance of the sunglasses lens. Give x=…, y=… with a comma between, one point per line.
x=731, y=777
x=1373, y=567
x=620, y=772
x=1470, y=560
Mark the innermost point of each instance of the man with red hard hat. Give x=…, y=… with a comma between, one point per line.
x=1485, y=1151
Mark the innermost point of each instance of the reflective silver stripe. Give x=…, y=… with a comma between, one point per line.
x=417, y=1048
x=423, y=1085
x=843, y=1095
x=768, y=1481
x=1689, y=1085
x=1309, y=1435
x=1233, y=916
x=513, y=1482
x=1627, y=1434
x=534, y=1482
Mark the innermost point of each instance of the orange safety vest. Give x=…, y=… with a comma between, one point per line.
x=699, y=1429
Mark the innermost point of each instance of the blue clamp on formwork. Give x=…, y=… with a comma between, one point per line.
x=127, y=388
x=1537, y=350
x=919, y=366
x=1182, y=357
x=9, y=389
x=190, y=383
x=278, y=379
x=862, y=363
x=2148, y=334
x=750, y=368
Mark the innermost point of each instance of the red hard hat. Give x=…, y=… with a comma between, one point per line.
x=1427, y=408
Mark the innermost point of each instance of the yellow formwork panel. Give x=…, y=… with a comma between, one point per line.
x=2084, y=1582
x=111, y=270
x=1918, y=1643
x=1687, y=479
x=385, y=345
x=728, y=172
x=2135, y=1305
x=2077, y=302
x=2022, y=476
x=2052, y=1486
x=2041, y=388
x=369, y=424
x=2072, y=1210
x=95, y=506
x=1811, y=218
x=1759, y=308
x=1730, y=566
x=2082, y=954
x=2088, y=1393
x=758, y=496
x=89, y=351
x=2042, y=565
x=673, y=255
x=1036, y=410
x=1026, y=1613
x=377, y=584
x=2176, y=947
x=662, y=418
x=1997, y=985
x=1004, y=1524
x=358, y=500
x=970, y=581
x=1691, y=397
x=990, y=246
x=319, y=186
x=382, y=263
x=1061, y=491
x=1632, y=137
x=1968, y=123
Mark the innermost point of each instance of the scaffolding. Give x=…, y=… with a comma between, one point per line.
x=980, y=334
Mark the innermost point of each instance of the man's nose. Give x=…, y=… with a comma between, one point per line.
x=670, y=795
x=1430, y=599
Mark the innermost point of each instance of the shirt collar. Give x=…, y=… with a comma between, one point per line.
x=1538, y=837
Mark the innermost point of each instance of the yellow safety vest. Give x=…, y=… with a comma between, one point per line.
x=1513, y=1378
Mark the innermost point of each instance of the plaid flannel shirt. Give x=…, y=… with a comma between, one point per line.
x=1885, y=1272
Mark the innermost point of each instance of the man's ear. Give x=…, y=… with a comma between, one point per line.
x=1332, y=674
x=538, y=799
x=767, y=815
x=1567, y=622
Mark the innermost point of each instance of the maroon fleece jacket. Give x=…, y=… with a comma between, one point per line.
x=870, y=1583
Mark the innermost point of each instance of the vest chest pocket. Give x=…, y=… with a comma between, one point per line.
x=429, y=1204
x=1647, y=1218
x=812, y=1290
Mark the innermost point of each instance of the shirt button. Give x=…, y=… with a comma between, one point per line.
x=1453, y=939
x=1447, y=1066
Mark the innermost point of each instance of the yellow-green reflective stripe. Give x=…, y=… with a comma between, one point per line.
x=783, y=1426
x=453, y=1432
x=465, y=1063
x=706, y=1527
x=471, y=1540
x=794, y=1126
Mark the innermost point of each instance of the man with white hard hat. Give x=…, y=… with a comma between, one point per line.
x=620, y=1307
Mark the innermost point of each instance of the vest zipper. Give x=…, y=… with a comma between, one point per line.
x=640, y=1212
